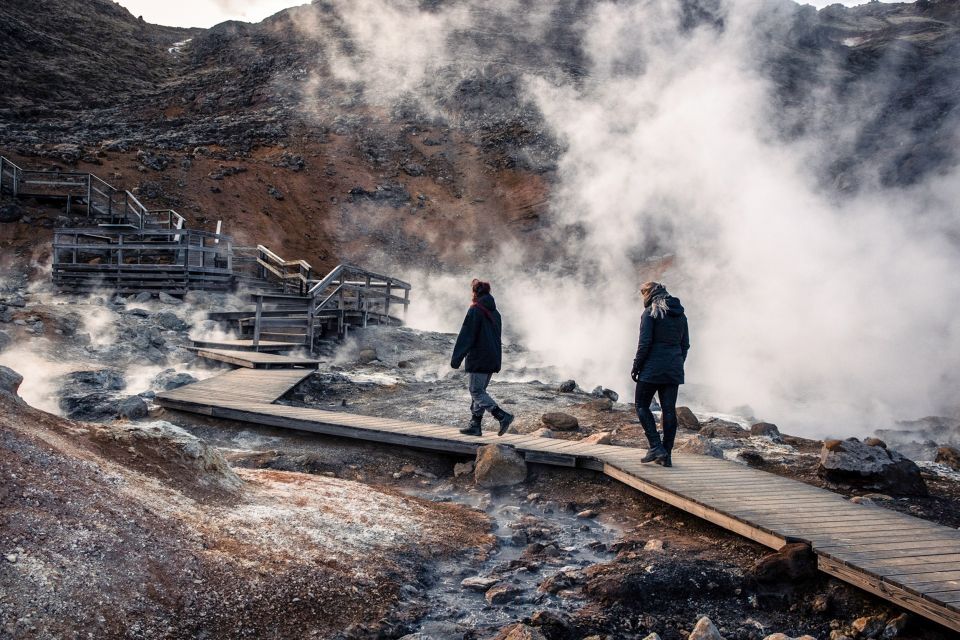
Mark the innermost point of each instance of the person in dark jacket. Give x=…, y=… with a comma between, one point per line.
x=479, y=342
x=658, y=367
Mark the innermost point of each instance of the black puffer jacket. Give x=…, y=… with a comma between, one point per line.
x=479, y=339
x=663, y=347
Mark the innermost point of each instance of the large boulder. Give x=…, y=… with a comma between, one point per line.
x=792, y=562
x=102, y=405
x=499, y=466
x=171, y=321
x=95, y=380
x=687, y=420
x=568, y=386
x=10, y=381
x=559, y=421
x=870, y=467
x=701, y=446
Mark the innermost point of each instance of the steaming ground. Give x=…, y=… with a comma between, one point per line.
x=603, y=572
x=827, y=310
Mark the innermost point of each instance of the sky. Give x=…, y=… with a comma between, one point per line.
x=206, y=13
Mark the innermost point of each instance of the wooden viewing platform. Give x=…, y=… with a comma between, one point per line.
x=908, y=561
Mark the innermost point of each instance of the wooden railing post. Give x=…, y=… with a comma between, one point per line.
x=406, y=304
x=386, y=311
x=256, y=325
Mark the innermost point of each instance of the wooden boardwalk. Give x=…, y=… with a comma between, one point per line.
x=908, y=561
x=256, y=359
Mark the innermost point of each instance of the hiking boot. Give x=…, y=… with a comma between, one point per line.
x=665, y=461
x=505, y=419
x=656, y=454
x=474, y=428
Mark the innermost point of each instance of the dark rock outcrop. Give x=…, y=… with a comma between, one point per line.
x=870, y=467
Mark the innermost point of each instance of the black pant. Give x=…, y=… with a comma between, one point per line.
x=668, y=411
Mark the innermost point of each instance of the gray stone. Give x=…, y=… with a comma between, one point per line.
x=143, y=296
x=700, y=445
x=568, y=386
x=895, y=626
x=559, y=421
x=542, y=432
x=499, y=466
x=610, y=393
x=168, y=299
x=600, y=404
x=872, y=467
x=10, y=380
x=868, y=626
x=5, y=340
x=16, y=300
x=96, y=380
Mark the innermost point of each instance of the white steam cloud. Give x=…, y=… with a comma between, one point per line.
x=827, y=315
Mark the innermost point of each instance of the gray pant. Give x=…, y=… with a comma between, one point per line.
x=477, y=383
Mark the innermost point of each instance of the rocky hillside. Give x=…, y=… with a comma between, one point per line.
x=299, y=123
x=142, y=528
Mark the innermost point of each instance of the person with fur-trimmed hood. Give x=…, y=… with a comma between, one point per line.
x=658, y=367
x=479, y=343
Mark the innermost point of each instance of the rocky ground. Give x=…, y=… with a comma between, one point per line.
x=207, y=505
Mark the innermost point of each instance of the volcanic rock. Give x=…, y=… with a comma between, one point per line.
x=519, y=631
x=462, y=469
x=868, y=626
x=542, y=432
x=895, y=626
x=10, y=213
x=170, y=320
x=872, y=467
x=600, y=404
x=166, y=298
x=5, y=340
x=568, y=386
x=499, y=466
x=602, y=437
x=705, y=630
x=766, y=429
x=502, y=593
x=132, y=408
x=700, y=445
x=96, y=380
x=10, y=381
x=687, y=420
x=169, y=379
x=366, y=356
x=795, y=561
x=478, y=583
x=559, y=421
x=783, y=636
x=948, y=456
x=715, y=428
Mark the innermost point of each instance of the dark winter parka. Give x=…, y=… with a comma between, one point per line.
x=479, y=339
x=664, y=342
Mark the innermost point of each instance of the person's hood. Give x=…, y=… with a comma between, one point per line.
x=487, y=301
x=674, y=308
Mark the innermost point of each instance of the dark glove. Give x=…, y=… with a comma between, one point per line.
x=454, y=364
x=635, y=375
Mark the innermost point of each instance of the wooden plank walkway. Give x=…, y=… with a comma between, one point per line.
x=909, y=561
x=245, y=345
x=256, y=359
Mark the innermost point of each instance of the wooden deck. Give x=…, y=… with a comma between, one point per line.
x=908, y=561
x=256, y=359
